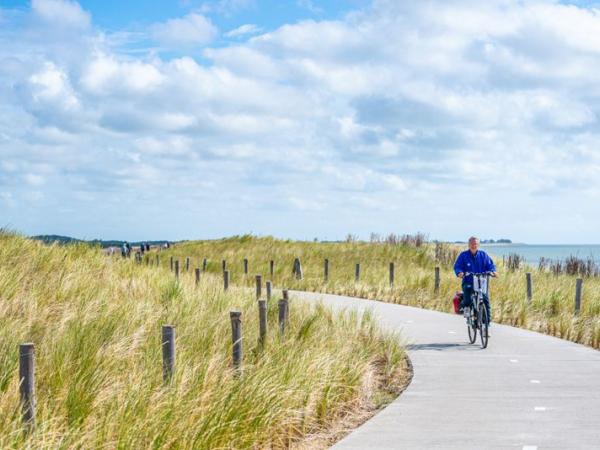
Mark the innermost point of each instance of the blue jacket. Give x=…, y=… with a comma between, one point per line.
x=478, y=263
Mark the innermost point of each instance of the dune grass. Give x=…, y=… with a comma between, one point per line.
x=96, y=321
x=551, y=310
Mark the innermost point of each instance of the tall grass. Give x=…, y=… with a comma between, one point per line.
x=551, y=310
x=96, y=324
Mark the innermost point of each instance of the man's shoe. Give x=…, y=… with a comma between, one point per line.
x=467, y=313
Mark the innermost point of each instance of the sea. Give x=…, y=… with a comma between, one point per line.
x=533, y=252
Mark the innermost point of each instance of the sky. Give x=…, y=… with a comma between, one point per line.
x=187, y=119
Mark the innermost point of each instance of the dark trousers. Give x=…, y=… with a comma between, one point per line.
x=468, y=299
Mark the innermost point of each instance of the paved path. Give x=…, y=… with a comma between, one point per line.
x=525, y=391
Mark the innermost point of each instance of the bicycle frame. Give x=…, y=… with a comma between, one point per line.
x=481, y=286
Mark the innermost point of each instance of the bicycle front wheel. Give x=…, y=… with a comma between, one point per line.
x=472, y=329
x=483, y=325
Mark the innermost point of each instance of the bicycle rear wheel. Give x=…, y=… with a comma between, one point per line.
x=483, y=325
x=472, y=328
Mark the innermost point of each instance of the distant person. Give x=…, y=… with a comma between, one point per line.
x=147, y=247
x=142, y=248
x=472, y=261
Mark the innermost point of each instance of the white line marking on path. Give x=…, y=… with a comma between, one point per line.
x=409, y=321
x=451, y=332
x=535, y=381
x=530, y=447
x=514, y=360
x=540, y=408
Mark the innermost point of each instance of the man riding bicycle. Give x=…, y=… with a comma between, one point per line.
x=469, y=262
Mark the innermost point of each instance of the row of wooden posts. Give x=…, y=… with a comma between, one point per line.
x=27, y=358
x=297, y=271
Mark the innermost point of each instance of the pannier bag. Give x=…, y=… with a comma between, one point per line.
x=456, y=301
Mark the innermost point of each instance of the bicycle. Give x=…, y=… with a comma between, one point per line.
x=477, y=319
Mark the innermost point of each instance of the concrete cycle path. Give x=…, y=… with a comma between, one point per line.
x=525, y=391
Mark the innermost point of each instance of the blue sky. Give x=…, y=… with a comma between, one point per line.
x=302, y=119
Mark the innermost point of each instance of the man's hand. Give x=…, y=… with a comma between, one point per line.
x=495, y=274
x=460, y=275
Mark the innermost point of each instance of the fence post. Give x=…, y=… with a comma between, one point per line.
x=157, y=260
x=529, y=287
x=392, y=274
x=262, y=322
x=245, y=266
x=204, y=264
x=269, y=286
x=285, y=294
x=177, y=270
x=168, y=352
x=326, y=270
x=27, y=384
x=224, y=264
x=297, y=269
x=357, y=272
x=226, y=279
x=187, y=264
x=578, y=289
x=436, y=286
x=236, y=338
x=197, y=275
x=171, y=264
x=258, y=286
x=283, y=315
x=272, y=268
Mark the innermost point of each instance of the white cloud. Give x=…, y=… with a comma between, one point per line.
x=61, y=13
x=193, y=29
x=106, y=74
x=243, y=30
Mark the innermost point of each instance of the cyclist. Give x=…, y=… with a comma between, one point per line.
x=473, y=260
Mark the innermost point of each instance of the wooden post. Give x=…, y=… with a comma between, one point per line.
x=297, y=269
x=226, y=279
x=326, y=270
x=224, y=264
x=187, y=264
x=269, y=290
x=168, y=352
x=578, y=289
x=27, y=384
x=236, y=338
x=272, y=268
x=529, y=287
x=177, y=270
x=357, y=272
x=204, y=264
x=436, y=286
x=258, y=286
x=197, y=275
x=286, y=295
x=392, y=274
x=245, y=266
x=171, y=264
x=157, y=260
x=283, y=315
x=262, y=322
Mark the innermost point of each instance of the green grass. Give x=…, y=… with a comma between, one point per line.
x=96, y=322
x=551, y=310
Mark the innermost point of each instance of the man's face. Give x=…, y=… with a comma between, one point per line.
x=473, y=245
